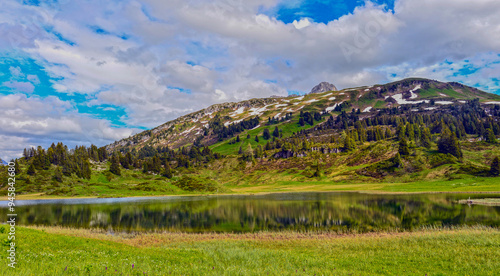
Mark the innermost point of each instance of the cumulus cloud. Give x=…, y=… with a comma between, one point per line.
x=162, y=59
x=32, y=121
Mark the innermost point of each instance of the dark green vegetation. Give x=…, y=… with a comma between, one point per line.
x=60, y=251
x=438, y=136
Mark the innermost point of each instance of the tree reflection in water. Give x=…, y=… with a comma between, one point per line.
x=275, y=212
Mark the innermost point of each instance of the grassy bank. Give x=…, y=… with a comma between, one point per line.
x=57, y=251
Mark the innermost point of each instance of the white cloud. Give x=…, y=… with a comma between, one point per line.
x=302, y=23
x=19, y=86
x=41, y=121
x=226, y=51
x=33, y=79
x=16, y=71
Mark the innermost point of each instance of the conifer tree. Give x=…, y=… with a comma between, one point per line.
x=317, y=171
x=16, y=167
x=248, y=153
x=58, y=174
x=31, y=169
x=403, y=147
x=167, y=171
x=276, y=132
x=258, y=152
x=495, y=167
x=349, y=143
x=266, y=135
x=257, y=138
x=448, y=143
x=490, y=136
x=388, y=133
x=425, y=138
x=398, y=162
x=115, y=165
x=86, y=171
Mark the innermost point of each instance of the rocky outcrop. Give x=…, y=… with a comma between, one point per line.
x=323, y=87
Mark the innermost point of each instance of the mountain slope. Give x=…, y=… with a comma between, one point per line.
x=421, y=95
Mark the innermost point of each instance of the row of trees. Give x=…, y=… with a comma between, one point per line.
x=75, y=161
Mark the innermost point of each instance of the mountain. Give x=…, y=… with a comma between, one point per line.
x=2, y=162
x=323, y=87
x=441, y=136
x=203, y=127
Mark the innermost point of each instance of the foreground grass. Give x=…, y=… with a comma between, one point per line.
x=58, y=251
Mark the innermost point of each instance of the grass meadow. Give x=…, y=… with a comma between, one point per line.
x=59, y=251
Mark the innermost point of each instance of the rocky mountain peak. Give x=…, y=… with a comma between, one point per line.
x=323, y=87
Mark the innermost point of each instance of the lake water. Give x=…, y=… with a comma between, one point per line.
x=248, y=213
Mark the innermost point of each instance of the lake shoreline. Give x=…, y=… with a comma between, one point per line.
x=103, y=234
x=41, y=196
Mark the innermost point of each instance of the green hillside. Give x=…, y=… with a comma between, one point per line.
x=411, y=135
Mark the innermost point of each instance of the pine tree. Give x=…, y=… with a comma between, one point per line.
x=237, y=138
x=16, y=167
x=448, y=143
x=248, y=153
x=317, y=171
x=266, y=135
x=256, y=138
x=425, y=138
x=403, y=147
x=400, y=131
x=495, y=167
x=167, y=171
x=115, y=165
x=276, y=132
x=398, y=162
x=86, y=171
x=349, y=143
x=258, y=152
x=301, y=121
x=58, y=174
x=410, y=133
x=490, y=136
x=388, y=133
x=31, y=169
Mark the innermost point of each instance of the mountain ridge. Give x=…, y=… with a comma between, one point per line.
x=420, y=93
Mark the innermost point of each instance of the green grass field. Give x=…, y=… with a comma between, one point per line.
x=57, y=251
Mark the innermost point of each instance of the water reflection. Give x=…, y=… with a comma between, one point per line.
x=275, y=212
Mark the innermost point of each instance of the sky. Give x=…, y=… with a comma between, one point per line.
x=87, y=72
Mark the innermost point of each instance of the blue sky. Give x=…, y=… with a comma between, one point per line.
x=88, y=71
x=318, y=11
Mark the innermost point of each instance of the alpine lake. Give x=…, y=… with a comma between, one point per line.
x=312, y=211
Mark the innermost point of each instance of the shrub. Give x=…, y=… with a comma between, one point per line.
x=194, y=183
x=439, y=159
